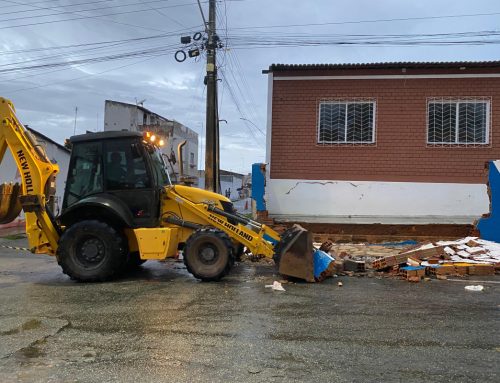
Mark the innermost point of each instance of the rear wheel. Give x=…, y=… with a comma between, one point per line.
x=208, y=254
x=91, y=251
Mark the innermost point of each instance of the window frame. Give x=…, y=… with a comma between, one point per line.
x=347, y=102
x=457, y=102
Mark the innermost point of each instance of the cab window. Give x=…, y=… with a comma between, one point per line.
x=85, y=176
x=125, y=167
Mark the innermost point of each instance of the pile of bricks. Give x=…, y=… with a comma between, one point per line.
x=468, y=256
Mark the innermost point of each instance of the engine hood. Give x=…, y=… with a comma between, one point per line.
x=197, y=195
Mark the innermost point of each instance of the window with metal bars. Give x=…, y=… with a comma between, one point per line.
x=458, y=121
x=346, y=122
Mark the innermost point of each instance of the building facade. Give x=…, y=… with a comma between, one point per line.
x=120, y=115
x=396, y=143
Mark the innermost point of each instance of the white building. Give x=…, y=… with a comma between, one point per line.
x=56, y=152
x=123, y=116
x=230, y=182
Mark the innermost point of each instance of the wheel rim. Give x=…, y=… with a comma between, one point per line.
x=208, y=253
x=90, y=251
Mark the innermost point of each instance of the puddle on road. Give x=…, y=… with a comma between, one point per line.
x=31, y=352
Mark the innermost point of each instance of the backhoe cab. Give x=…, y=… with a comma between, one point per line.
x=121, y=209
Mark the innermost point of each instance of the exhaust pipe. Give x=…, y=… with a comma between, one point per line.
x=181, y=160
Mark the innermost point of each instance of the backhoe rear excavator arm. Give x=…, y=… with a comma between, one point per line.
x=38, y=181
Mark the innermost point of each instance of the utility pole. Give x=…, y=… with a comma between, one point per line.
x=212, y=119
x=76, y=113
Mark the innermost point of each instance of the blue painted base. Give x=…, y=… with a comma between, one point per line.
x=490, y=227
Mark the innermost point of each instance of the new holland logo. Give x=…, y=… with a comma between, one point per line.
x=231, y=227
x=28, y=181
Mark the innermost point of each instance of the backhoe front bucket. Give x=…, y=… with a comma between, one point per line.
x=10, y=207
x=294, y=254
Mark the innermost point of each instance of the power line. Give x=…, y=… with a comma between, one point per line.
x=144, y=52
x=301, y=40
x=96, y=17
x=369, y=21
x=82, y=77
x=100, y=43
x=234, y=67
x=43, y=2
x=71, y=12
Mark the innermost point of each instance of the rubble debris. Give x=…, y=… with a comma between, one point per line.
x=354, y=265
x=463, y=257
x=413, y=273
x=276, y=286
x=467, y=256
x=474, y=288
x=326, y=246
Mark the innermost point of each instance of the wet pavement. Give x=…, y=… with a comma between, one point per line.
x=161, y=325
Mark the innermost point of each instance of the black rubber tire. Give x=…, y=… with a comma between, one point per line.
x=215, y=243
x=78, y=245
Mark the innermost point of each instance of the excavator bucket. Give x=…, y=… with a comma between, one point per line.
x=10, y=207
x=294, y=254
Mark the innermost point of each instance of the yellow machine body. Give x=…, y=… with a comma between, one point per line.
x=156, y=243
x=183, y=211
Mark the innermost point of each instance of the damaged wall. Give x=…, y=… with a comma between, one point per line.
x=400, y=178
x=375, y=202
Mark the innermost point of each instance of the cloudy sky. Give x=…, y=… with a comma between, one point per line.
x=58, y=55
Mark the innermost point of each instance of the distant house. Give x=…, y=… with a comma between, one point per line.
x=395, y=143
x=120, y=115
x=229, y=182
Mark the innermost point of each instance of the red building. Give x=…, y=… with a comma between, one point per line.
x=384, y=142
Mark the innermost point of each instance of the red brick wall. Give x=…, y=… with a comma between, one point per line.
x=400, y=153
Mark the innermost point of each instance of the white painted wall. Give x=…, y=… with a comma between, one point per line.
x=118, y=117
x=375, y=202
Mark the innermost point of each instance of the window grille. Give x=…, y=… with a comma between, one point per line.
x=346, y=122
x=458, y=121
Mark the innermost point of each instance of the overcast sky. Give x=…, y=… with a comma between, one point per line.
x=46, y=97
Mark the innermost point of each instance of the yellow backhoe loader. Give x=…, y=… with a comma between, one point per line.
x=121, y=209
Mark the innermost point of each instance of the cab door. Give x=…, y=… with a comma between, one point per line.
x=127, y=176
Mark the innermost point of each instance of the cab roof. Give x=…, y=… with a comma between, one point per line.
x=99, y=136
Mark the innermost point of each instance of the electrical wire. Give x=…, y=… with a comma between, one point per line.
x=369, y=21
x=94, y=17
x=82, y=77
x=72, y=12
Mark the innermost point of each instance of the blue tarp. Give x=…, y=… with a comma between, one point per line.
x=321, y=262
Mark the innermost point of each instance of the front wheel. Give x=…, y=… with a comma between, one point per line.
x=208, y=254
x=91, y=251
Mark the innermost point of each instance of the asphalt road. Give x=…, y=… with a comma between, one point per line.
x=161, y=325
